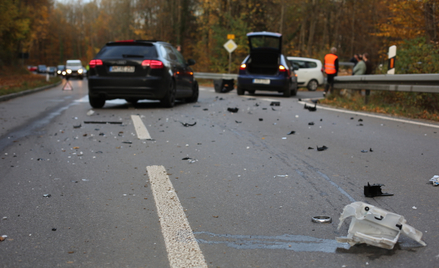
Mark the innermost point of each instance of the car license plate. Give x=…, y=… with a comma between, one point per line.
x=261, y=81
x=122, y=69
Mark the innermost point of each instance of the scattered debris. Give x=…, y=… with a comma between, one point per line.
x=321, y=219
x=374, y=190
x=103, y=122
x=261, y=119
x=275, y=103
x=54, y=229
x=47, y=195
x=364, y=151
x=414, y=207
x=310, y=108
x=311, y=123
x=190, y=160
x=40, y=159
x=360, y=120
x=292, y=132
x=238, y=122
x=273, y=109
x=196, y=105
x=310, y=148
x=127, y=142
x=281, y=176
x=370, y=150
x=435, y=180
x=188, y=125
x=322, y=148
x=352, y=118
x=375, y=226
x=3, y=237
x=90, y=113
x=360, y=125
x=284, y=138
x=233, y=110
x=205, y=109
x=77, y=126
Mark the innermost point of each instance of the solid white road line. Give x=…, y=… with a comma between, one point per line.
x=183, y=250
x=142, y=132
x=375, y=116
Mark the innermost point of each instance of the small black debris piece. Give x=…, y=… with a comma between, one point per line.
x=360, y=125
x=188, y=125
x=374, y=190
x=323, y=148
x=364, y=151
x=264, y=109
x=40, y=159
x=186, y=158
x=292, y=132
x=352, y=118
x=256, y=104
x=233, y=110
x=47, y=195
x=315, y=101
x=273, y=109
x=103, y=122
x=310, y=148
x=196, y=105
x=54, y=229
x=127, y=142
x=101, y=134
x=99, y=152
x=261, y=119
x=310, y=108
x=251, y=99
x=77, y=126
x=238, y=122
x=370, y=150
x=311, y=123
x=205, y=109
x=275, y=103
x=360, y=120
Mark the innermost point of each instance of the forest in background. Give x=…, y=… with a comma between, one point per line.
x=52, y=32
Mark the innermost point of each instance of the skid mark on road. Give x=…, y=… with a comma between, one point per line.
x=142, y=132
x=297, y=243
x=183, y=250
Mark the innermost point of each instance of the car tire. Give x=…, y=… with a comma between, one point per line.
x=240, y=90
x=169, y=100
x=312, y=85
x=96, y=102
x=195, y=93
x=287, y=92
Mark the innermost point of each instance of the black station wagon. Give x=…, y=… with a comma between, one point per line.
x=140, y=69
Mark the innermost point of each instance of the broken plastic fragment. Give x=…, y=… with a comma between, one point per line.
x=281, y=176
x=127, y=142
x=310, y=108
x=322, y=148
x=47, y=195
x=374, y=190
x=188, y=125
x=77, y=126
x=292, y=132
x=375, y=226
x=90, y=113
x=233, y=110
x=238, y=122
x=261, y=119
x=321, y=219
x=311, y=123
x=435, y=180
x=275, y=103
x=364, y=151
x=310, y=148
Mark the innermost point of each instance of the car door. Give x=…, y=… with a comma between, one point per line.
x=187, y=74
x=177, y=70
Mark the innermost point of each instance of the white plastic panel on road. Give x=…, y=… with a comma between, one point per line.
x=142, y=132
x=183, y=250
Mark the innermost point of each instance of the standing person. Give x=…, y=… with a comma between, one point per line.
x=355, y=59
x=360, y=68
x=369, y=68
x=331, y=69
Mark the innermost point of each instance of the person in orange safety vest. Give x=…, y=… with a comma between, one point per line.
x=331, y=69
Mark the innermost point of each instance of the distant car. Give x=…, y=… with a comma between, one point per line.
x=74, y=69
x=32, y=68
x=309, y=72
x=266, y=68
x=41, y=68
x=51, y=70
x=60, y=69
x=138, y=69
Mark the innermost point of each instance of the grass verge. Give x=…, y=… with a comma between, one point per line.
x=17, y=79
x=403, y=104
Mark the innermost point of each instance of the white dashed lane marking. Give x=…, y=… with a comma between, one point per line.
x=142, y=132
x=183, y=250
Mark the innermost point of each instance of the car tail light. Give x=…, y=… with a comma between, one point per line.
x=243, y=67
x=125, y=41
x=153, y=64
x=94, y=63
x=282, y=68
x=322, y=70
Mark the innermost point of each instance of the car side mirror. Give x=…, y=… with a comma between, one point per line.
x=190, y=62
x=295, y=67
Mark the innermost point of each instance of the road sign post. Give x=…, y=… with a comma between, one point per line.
x=392, y=58
x=230, y=46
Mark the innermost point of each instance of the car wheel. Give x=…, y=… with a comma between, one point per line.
x=287, y=92
x=195, y=93
x=312, y=85
x=169, y=99
x=240, y=90
x=96, y=102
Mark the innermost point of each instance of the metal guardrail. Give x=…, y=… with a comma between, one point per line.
x=215, y=76
x=427, y=83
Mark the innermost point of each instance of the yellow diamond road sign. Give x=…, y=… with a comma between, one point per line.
x=230, y=46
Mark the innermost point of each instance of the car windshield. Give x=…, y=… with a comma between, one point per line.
x=265, y=42
x=74, y=64
x=128, y=51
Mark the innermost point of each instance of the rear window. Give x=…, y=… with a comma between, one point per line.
x=128, y=51
x=265, y=42
x=304, y=64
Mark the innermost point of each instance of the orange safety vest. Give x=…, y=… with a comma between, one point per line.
x=330, y=63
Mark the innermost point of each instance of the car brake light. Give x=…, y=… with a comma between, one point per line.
x=322, y=70
x=153, y=64
x=125, y=41
x=243, y=66
x=282, y=68
x=94, y=63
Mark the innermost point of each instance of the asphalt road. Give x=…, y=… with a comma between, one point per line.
x=233, y=190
